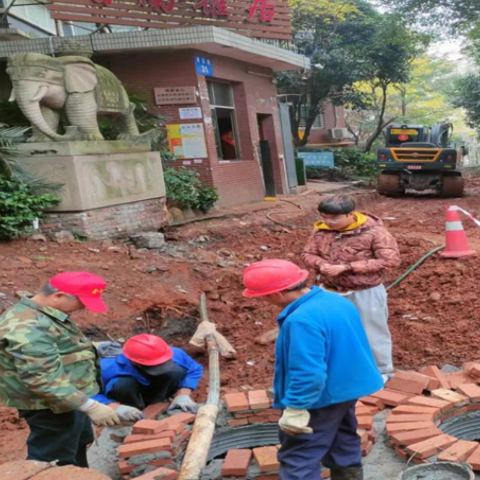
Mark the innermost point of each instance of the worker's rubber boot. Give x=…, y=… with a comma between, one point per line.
x=346, y=473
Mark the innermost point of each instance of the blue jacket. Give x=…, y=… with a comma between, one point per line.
x=322, y=354
x=115, y=367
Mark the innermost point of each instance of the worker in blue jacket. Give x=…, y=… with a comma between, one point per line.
x=323, y=365
x=149, y=371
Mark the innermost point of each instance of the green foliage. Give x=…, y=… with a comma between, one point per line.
x=11, y=115
x=19, y=207
x=347, y=41
x=185, y=190
x=349, y=165
x=466, y=94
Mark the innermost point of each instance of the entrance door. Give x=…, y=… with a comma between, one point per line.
x=288, y=145
x=266, y=154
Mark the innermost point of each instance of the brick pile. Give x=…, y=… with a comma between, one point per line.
x=421, y=402
x=154, y=448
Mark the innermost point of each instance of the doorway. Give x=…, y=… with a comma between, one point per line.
x=266, y=132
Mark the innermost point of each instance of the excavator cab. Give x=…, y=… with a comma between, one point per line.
x=419, y=158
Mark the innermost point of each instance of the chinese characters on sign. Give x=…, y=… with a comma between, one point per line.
x=211, y=8
x=175, y=95
x=187, y=141
x=204, y=66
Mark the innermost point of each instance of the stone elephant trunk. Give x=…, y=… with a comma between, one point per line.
x=28, y=99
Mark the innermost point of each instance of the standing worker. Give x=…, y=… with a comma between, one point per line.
x=150, y=371
x=48, y=369
x=352, y=253
x=323, y=365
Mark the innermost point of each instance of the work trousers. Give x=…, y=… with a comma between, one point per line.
x=127, y=391
x=334, y=442
x=61, y=437
x=373, y=308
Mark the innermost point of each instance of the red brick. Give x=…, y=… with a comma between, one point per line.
x=413, y=410
x=236, y=402
x=159, y=474
x=372, y=436
x=182, y=437
x=365, y=421
x=124, y=468
x=473, y=408
x=474, y=459
x=409, y=418
x=428, y=402
x=238, y=423
x=274, y=418
x=432, y=446
x=401, y=453
x=266, y=458
x=266, y=477
x=473, y=369
x=170, y=434
x=376, y=402
x=458, y=378
x=404, y=382
x=326, y=474
x=363, y=434
x=366, y=410
x=392, y=398
x=433, y=383
x=137, y=448
x=269, y=411
x=367, y=449
x=453, y=413
x=404, y=427
x=414, y=436
x=236, y=463
x=458, y=452
x=470, y=390
x=436, y=373
x=454, y=398
x=154, y=410
x=257, y=419
x=177, y=422
x=258, y=399
x=148, y=427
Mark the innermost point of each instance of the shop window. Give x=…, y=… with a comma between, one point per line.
x=223, y=120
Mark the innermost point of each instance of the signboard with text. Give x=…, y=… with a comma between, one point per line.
x=204, y=66
x=253, y=18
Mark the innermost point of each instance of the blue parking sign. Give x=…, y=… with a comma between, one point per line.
x=204, y=66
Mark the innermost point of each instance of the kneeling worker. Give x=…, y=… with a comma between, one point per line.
x=323, y=365
x=150, y=371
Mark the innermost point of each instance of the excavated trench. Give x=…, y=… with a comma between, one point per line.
x=463, y=427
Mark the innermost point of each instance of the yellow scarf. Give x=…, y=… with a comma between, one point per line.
x=360, y=219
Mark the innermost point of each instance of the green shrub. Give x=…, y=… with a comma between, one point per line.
x=185, y=190
x=19, y=207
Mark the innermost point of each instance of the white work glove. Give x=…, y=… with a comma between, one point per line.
x=129, y=414
x=295, y=421
x=185, y=403
x=101, y=415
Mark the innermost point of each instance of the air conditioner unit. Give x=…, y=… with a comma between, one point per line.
x=338, y=133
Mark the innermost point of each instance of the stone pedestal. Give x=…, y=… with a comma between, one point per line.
x=109, y=188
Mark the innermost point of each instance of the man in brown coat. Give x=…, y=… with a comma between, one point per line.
x=351, y=253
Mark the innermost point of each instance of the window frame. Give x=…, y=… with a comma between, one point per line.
x=213, y=112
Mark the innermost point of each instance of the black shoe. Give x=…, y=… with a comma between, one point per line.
x=346, y=473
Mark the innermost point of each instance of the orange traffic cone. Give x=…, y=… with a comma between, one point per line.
x=456, y=239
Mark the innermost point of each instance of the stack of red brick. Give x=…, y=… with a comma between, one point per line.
x=250, y=408
x=155, y=443
x=422, y=401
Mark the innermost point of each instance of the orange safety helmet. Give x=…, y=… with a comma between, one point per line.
x=147, y=350
x=271, y=276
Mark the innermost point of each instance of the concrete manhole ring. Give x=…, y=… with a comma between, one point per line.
x=438, y=471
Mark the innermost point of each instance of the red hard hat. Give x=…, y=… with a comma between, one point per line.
x=271, y=276
x=84, y=285
x=147, y=350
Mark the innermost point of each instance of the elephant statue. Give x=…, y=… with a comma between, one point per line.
x=45, y=87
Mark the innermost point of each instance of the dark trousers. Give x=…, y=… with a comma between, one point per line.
x=127, y=391
x=58, y=436
x=334, y=442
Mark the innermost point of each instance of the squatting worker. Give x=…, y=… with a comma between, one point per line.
x=323, y=365
x=48, y=369
x=352, y=253
x=150, y=371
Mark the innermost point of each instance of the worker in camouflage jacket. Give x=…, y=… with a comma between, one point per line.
x=49, y=369
x=352, y=252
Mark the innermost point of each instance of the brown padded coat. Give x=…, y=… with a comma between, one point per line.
x=369, y=250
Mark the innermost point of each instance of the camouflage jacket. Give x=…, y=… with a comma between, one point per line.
x=369, y=251
x=45, y=360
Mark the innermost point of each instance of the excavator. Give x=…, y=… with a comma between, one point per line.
x=419, y=158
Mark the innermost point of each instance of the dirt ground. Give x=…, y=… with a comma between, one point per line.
x=434, y=312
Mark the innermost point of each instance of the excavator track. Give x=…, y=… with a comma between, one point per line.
x=452, y=187
x=389, y=185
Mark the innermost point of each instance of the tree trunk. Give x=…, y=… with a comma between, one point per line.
x=378, y=130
